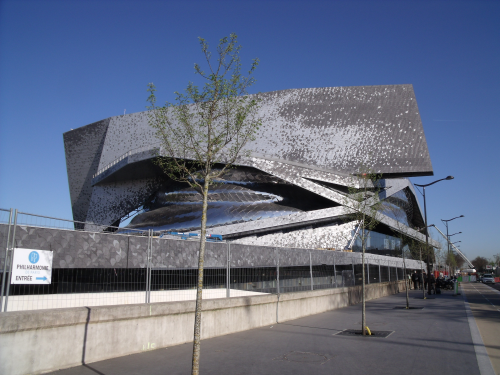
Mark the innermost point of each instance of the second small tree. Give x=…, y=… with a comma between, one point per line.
x=364, y=205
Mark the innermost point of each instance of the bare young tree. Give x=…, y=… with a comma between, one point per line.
x=480, y=263
x=496, y=259
x=364, y=204
x=204, y=134
x=440, y=254
x=401, y=211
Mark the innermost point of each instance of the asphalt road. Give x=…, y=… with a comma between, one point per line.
x=484, y=301
x=435, y=339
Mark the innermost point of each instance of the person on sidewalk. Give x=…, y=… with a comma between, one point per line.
x=432, y=282
x=414, y=278
x=440, y=282
x=420, y=281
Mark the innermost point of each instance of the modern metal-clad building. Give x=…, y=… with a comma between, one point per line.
x=290, y=192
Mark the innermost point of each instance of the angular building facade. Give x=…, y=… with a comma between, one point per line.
x=293, y=189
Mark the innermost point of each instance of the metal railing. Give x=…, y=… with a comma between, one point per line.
x=154, y=271
x=134, y=151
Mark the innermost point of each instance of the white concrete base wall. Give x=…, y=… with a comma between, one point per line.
x=61, y=301
x=38, y=341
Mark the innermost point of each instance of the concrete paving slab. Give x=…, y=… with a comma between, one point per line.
x=435, y=339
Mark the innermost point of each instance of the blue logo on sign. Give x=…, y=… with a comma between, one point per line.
x=34, y=257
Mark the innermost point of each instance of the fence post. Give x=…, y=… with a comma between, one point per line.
x=353, y=273
x=311, y=270
x=148, y=271
x=334, y=271
x=389, y=269
x=5, y=261
x=379, y=272
x=278, y=273
x=150, y=265
x=368, y=270
x=228, y=271
x=12, y=246
x=278, y=286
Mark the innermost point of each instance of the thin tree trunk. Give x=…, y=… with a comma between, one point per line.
x=406, y=281
x=363, y=314
x=197, y=320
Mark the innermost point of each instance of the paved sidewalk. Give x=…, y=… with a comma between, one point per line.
x=433, y=340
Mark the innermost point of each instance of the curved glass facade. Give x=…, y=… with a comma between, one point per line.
x=227, y=204
x=399, y=207
x=243, y=195
x=379, y=243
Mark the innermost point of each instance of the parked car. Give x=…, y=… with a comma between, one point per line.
x=488, y=279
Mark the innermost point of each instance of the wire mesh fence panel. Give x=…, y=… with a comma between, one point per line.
x=181, y=285
x=374, y=276
x=324, y=277
x=358, y=274
x=98, y=268
x=77, y=287
x=4, y=216
x=322, y=268
x=295, y=279
x=253, y=281
x=347, y=278
x=174, y=270
x=252, y=270
x=384, y=274
x=41, y=221
x=342, y=275
x=394, y=275
x=400, y=273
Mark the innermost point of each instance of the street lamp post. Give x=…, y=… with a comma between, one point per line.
x=427, y=231
x=449, y=250
x=448, y=236
x=421, y=269
x=453, y=243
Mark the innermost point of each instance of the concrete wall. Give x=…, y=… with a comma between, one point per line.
x=61, y=301
x=38, y=341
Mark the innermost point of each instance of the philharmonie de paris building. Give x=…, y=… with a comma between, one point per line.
x=291, y=191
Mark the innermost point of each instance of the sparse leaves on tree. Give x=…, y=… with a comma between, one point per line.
x=364, y=204
x=204, y=133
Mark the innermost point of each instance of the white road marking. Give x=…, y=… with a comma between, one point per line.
x=485, y=298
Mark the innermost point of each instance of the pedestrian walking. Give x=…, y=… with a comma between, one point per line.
x=414, y=278
x=432, y=283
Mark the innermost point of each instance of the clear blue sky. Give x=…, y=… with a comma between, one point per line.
x=65, y=64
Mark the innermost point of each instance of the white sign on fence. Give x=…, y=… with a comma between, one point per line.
x=31, y=267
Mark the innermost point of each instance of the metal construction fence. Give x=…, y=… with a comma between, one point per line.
x=97, y=268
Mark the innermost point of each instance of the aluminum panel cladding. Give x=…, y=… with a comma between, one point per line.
x=332, y=130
